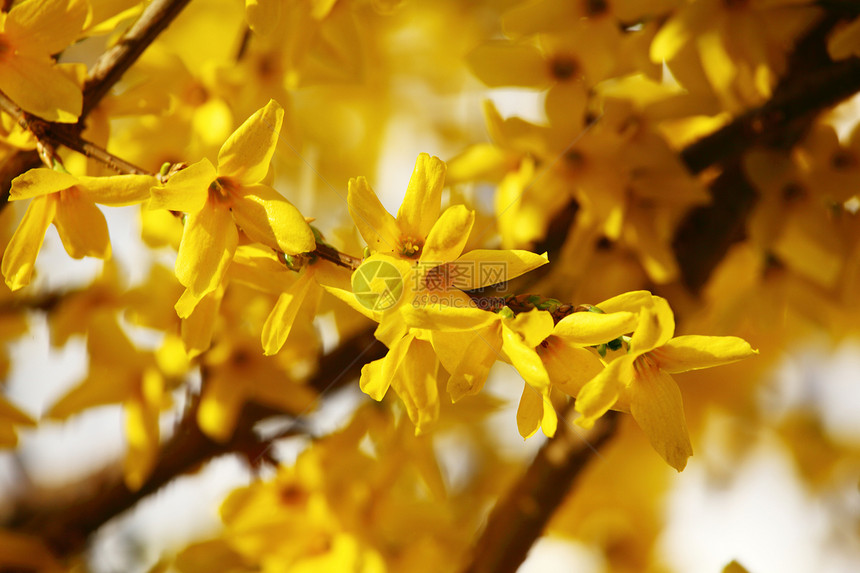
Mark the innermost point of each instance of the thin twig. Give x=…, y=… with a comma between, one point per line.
x=66, y=525
x=110, y=67
x=519, y=518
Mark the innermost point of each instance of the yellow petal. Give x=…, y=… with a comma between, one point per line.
x=632, y=301
x=197, y=327
x=38, y=87
x=81, y=226
x=656, y=326
x=142, y=432
x=376, y=225
x=117, y=190
x=601, y=392
x=245, y=156
x=655, y=403
x=266, y=217
x=533, y=326
x=423, y=199
x=263, y=15
x=507, y=64
x=591, y=328
x=469, y=376
x=487, y=267
x=448, y=235
x=529, y=412
x=280, y=320
x=372, y=382
x=415, y=384
x=208, y=243
x=22, y=250
x=447, y=318
x=220, y=403
x=40, y=181
x=569, y=367
x=693, y=352
x=187, y=190
x=45, y=27
x=525, y=359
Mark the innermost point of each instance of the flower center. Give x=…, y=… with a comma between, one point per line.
x=6, y=50
x=221, y=190
x=410, y=248
x=563, y=67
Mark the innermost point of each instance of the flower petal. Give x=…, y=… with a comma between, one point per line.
x=208, y=243
x=569, y=367
x=656, y=326
x=199, y=322
x=447, y=318
x=45, y=27
x=529, y=412
x=633, y=301
x=280, y=320
x=448, y=235
x=372, y=382
x=246, y=155
x=655, y=403
x=423, y=199
x=376, y=225
x=187, y=190
x=500, y=64
x=415, y=384
x=590, y=328
x=117, y=190
x=469, y=376
x=40, y=181
x=533, y=326
x=525, y=360
x=22, y=250
x=221, y=400
x=81, y=226
x=487, y=267
x=39, y=87
x=693, y=352
x=601, y=392
x=266, y=217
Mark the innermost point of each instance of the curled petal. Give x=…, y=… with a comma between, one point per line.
x=268, y=218
x=376, y=225
x=41, y=181
x=208, y=243
x=245, y=156
x=693, y=352
x=488, y=267
x=187, y=190
x=448, y=236
x=602, y=392
x=423, y=199
x=590, y=328
x=22, y=250
x=655, y=403
x=82, y=227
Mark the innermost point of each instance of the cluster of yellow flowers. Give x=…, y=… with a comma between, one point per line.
x=594, y=201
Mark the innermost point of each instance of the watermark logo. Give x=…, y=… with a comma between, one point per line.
x=377, y=285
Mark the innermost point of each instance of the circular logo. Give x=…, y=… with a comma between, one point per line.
x=377, y=285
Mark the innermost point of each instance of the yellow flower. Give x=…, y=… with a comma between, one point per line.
x=640, y=381
x=405, y=236
x=219, y=200
x=69, y=203
x=120, y=373
x=468, y=341
x=30, y=34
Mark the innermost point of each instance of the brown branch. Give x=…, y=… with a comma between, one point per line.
x=518, y=519
x=66, y=525
x=329, y=253
x=813, y=83
x=110, y=67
